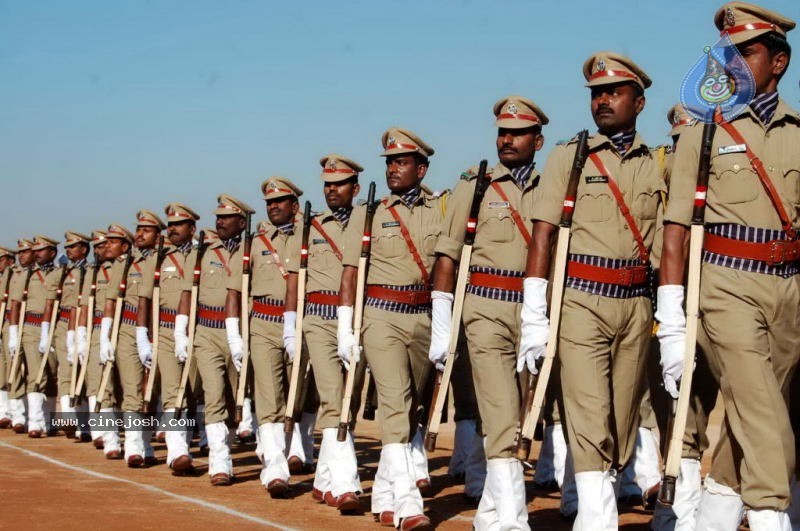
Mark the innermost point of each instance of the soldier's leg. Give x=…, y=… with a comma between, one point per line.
x=16, y=393
x=63, y=375
x=131, y=372
x=269, y=393
x=210, y=348
x=5, y=412
x=492, y=328
x=421, y=374
x=169, y=370
x=386, y=337
x=755, y=345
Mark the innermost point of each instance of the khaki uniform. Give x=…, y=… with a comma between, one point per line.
x=214, y=364
x=41, y=288
x=491, y=316
x=749, y=320
x=69, y=304
x=5, y=362
x=131, y=371
x=268, y=292
x=15, y=293
x=109, y=277
x=603, y=340
x=176, y=277
x=319, y=323
x=396, y=342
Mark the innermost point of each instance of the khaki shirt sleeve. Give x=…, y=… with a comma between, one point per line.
x=548, y=199
x=352, y=237
x=451, y=239
x=188, y=270
x=51, y=284
x=293, y=245
x=17, y=288
x=86, y=288
x=112, y=290
x=148, y=271
x=683, y=177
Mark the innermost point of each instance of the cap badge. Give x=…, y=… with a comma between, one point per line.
x=391, y=140
x=512, y=108
x=730, y=18
x=331, y=164
x=272, y=186
x=601, y=65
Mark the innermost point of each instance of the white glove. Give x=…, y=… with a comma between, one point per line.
x=80, y=343
x=348, y=347
x=106, y=351
x=289, y=322
x=234, y=341
x=43, y=337
x=535, y=329
x=71, y=345
x=181, y=337
x=671, y=335
x=143, y=346
x=12, y=339
x=441, y=316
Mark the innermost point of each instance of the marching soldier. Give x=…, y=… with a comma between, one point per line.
x=176, y=284
x=133, y=349
x=42, y=288
x=492, y=303
x=7, y=263
x=76, y=246
x=749, y=296
x=275, y=261
x=17, y=287
x=336, y=481
x=607, y=315
x=218, y=340
x=406, y=226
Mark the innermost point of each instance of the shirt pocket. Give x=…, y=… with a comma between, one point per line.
x=498, y=226
x=645, y=204
x=212, y=277
x=390, y=245
x=734, y=182
x=595, y=205
x=791, y=182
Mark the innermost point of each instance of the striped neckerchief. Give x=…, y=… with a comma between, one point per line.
x=522, y=174
x=411, y=197
x=286, y=228
x=623, y=141
x=342, y=214
x=231, y=243
x=79, y=263
x=764, y=106
x=47, y=267
x=186, y=247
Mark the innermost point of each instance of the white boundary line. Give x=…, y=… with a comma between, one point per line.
x=206, y=505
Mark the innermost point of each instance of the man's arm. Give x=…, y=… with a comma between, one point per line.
x=444, y=274
x=291, y=292
x=675, y=254
x=347, y=289
x=538, y=263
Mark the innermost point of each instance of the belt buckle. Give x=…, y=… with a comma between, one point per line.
x=781, y=251
x=626, y=276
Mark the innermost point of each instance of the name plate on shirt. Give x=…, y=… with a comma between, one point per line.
x=170, y=269
x=389, y=224
x=497, y=204
x=596, y=179
x=736, y=148
x=265, y=252
x=319, y=241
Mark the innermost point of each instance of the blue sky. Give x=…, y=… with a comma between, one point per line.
x=112, y=106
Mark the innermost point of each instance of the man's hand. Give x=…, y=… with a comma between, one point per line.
x=441, y=316
x=71, y=351
x=43, y=337
x=106, y=349
x=12, y=339
x=144, y=347
x=235, y=343
x=348, y=348
x=535, y=324
x=289, y=322
x=80, y=344
x=671, y=335
x=181, y=337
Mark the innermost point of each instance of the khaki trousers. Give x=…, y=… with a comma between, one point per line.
x=130, y=369
x=30, y=348
x=270, y=377
x=603, y=347
x=64, y=373
x=94, y=372
x=219, y=375
x=170, y=370
x=396, y=348
x=17, y=388
x=751, y=322
x=461, y=382
x=492, y=331
x=319, y=336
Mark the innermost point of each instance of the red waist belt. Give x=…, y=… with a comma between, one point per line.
x=129, y=315
x=33, y=318
x=267, y=309
x=623, y=276
x=488, y=280
x=774, y=253
x=165, y=317
x=63, y=315
x=328, y=299
x=414, y=298
x=97, y=320
x=211, y=315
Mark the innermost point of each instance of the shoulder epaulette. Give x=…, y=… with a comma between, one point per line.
x=472, y=172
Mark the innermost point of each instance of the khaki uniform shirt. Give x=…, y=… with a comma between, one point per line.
x=598, y=226
x=41, y=288
x=499, y=243
x=266, y=278
x=735, y=193
x=16, y=289
x=391, y=262
x=140, y=278
x=71, y=290
x=218, y=269
x=324, y=267
x=177, y=270
x=109, y=277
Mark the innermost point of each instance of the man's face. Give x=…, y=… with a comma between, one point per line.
x=6, y=262
x=229, y=226
x=146, y=237
x=615, y=107
x=516, y=147
x=45, y=256
x=765, y=68
x=180, y=232
x=76, y=252
x=404, y=172
x=340, y=194
x=25, y=257
x=100, y=252
x=281, y=211
x=115, y=247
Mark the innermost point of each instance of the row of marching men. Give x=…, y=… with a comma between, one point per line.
x=522, y=262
